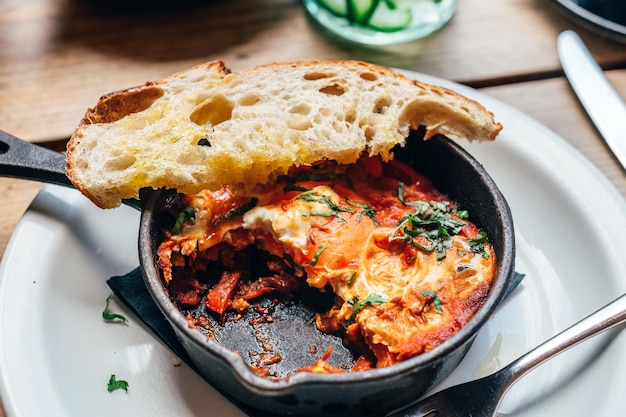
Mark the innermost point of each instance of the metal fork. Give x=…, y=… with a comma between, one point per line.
x=480, y=398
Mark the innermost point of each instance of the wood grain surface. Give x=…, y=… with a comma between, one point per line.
x=57, y=57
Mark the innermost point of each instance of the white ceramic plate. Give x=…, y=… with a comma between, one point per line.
x=57, y=354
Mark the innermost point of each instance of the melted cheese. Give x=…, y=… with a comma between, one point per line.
x=291, y=222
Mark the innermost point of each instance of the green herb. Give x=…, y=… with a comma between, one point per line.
x=412, y=227
x=441, y=206
x=477, y=245
x=294, y=187
x=401, y=192
x=240, y=210
x=431, y=220
x=313, y=197
x=115, y=384
x=436, y=300
x=112, y=316
x=443, y=243
x=371, y=300
x=365, y=210
x=184, y=215
x=316, y=256
x=289, y=259
x=351, y=280
x=462, y=214
x=461, y=252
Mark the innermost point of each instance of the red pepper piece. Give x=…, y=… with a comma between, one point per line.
x=219, y=297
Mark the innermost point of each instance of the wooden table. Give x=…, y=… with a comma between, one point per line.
x=58, y=56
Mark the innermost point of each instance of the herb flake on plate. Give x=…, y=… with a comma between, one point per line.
x=108, y=316
x=115, y=384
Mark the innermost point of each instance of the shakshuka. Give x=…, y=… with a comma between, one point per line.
x=406, y=266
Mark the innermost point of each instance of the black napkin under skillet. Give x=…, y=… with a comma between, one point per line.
x=132, y=291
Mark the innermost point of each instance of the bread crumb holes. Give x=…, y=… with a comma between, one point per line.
x=369, y=76
x=381, y=105
x=121, y=163
x=249, y=100
x=213, y=111
x=333, y=90
x=301, y=108
x=312, y=76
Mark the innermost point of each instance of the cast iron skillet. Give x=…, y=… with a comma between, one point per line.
x=224, y=358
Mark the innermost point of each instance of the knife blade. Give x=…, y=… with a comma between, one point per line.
x=602, y=103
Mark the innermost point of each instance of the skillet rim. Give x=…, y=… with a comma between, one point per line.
x=265, y=386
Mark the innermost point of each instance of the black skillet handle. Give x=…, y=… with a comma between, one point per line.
x=25, y=160
x=21, y=159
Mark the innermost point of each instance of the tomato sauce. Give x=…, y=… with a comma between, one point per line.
x=398, y=255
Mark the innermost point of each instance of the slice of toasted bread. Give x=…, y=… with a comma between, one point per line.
x=206, y=126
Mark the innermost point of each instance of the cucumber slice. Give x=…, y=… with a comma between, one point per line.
x=360, y=11
x=336, y=7
x=385, y=19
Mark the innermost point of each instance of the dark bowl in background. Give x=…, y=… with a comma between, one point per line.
x=369, y=393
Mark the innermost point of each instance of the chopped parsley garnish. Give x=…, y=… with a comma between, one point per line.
x=477, y=245
x=401, y=192
x=351, y=280
x=115, y=384
x=316, y=256
x=311, y=196
x=442, y=206
x=371, y=300
x=294, y=187
x=431, y=221
x=107, y=315
x=335, y=210
x=435, y=298
x=240, y=210
x=289, y=259
x=365, y=210
x=463, y=214
x=184, y=215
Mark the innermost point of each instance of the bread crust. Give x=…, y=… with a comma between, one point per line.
x=255, y=124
